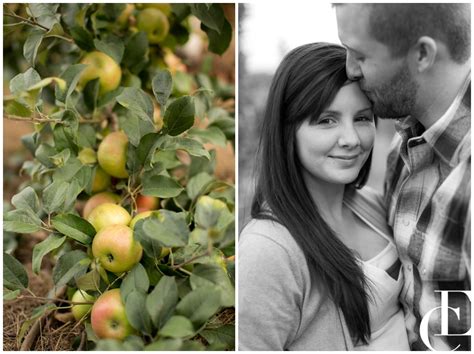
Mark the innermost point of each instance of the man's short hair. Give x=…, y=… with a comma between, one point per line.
x=400, y=25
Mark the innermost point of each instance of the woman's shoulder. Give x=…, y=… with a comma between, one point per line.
x=268, y=233
x=368, y=204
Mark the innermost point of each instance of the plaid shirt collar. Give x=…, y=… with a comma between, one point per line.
x=447, y=134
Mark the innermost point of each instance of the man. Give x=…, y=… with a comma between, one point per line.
x=413, y=62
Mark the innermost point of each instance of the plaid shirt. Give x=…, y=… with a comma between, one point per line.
x=427, y=193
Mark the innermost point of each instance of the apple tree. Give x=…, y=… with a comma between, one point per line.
x=122, y=182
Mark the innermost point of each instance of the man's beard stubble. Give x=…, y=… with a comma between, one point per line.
x=396, y=98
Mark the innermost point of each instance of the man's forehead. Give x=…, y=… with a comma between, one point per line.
x=353, y=24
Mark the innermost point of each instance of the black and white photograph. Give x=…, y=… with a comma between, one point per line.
x=354, y=177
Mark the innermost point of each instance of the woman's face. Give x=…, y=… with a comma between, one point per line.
x=336, y=145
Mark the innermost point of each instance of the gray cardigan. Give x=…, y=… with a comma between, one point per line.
x=281, y=306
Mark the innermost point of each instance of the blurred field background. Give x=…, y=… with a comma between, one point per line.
x=264, y=40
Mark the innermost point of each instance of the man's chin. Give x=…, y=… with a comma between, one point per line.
x=384, y=112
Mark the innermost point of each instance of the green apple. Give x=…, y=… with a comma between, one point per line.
x=112, y=154
x=165, y=8
x=103, y=67
x=87, y=156
x=108, y=316
x=116, y=248
x=101, y=180
x=80, y=311
x=108, y=214
x=98, y=199
x=155, y=23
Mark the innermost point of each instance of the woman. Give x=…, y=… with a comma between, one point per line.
x=317, y=267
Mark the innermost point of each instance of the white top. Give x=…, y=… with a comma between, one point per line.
x=387, y=321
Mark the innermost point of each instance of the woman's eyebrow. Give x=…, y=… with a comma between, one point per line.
x=331, y=112
x=364, y=109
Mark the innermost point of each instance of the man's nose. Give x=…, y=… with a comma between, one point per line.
x=353, y=68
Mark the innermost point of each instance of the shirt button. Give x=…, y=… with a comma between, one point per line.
x=423, y=271
x=406, y=222
x=409, y=267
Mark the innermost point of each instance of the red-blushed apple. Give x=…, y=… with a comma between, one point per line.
x=98, y=199
x=108, y=214
x=108, y=316
x=112, y=154
x=116, y=248
x=103, y=67
x=80, y=311
x=146, y=202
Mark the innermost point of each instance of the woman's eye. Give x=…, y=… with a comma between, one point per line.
x=325, y=121
x=364, y=119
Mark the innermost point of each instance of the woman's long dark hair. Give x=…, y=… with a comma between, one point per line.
x=304, y=84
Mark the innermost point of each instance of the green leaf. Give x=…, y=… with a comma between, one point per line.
x=26, y=199
x=161, y=302
x=21, y=221
x=197, y=183
x=32, y=43
x=179, y=116
x=200, y=305
x=224, y=335
x=209, y=211
x=136, y=279
x=18, y=109
x=162, y=84
x=209, y=135
x=130, y=343
x=23, y=81
x=191, y=146
x=138, y=102
x=165, y=345
x=219, y=41
x=135, y=55
x=177, y=327
x=70, y=169
x=134, y=305
x=170, y=229
x=112, y=46
x=74, y=227
x=14, y=274
x=208, y=275
x=151, y=246
x=44, y=14
x=212, y=16
x=71, y=76
x=10, y=295
x=147, y=146
x=86, y=136
x=161, y=186
x=135, y=127
x=70, y=265
x=41, y=249
x=83, y=38
x=54, y=196
x=89, y=281
x=91, y=94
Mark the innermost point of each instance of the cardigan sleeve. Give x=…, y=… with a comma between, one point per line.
x=270, y=293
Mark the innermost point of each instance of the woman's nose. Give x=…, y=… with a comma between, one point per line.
x=348, y=138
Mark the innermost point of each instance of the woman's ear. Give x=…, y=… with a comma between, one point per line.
x=424, y=53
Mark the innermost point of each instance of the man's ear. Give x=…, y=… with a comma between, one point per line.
x=424, y=52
